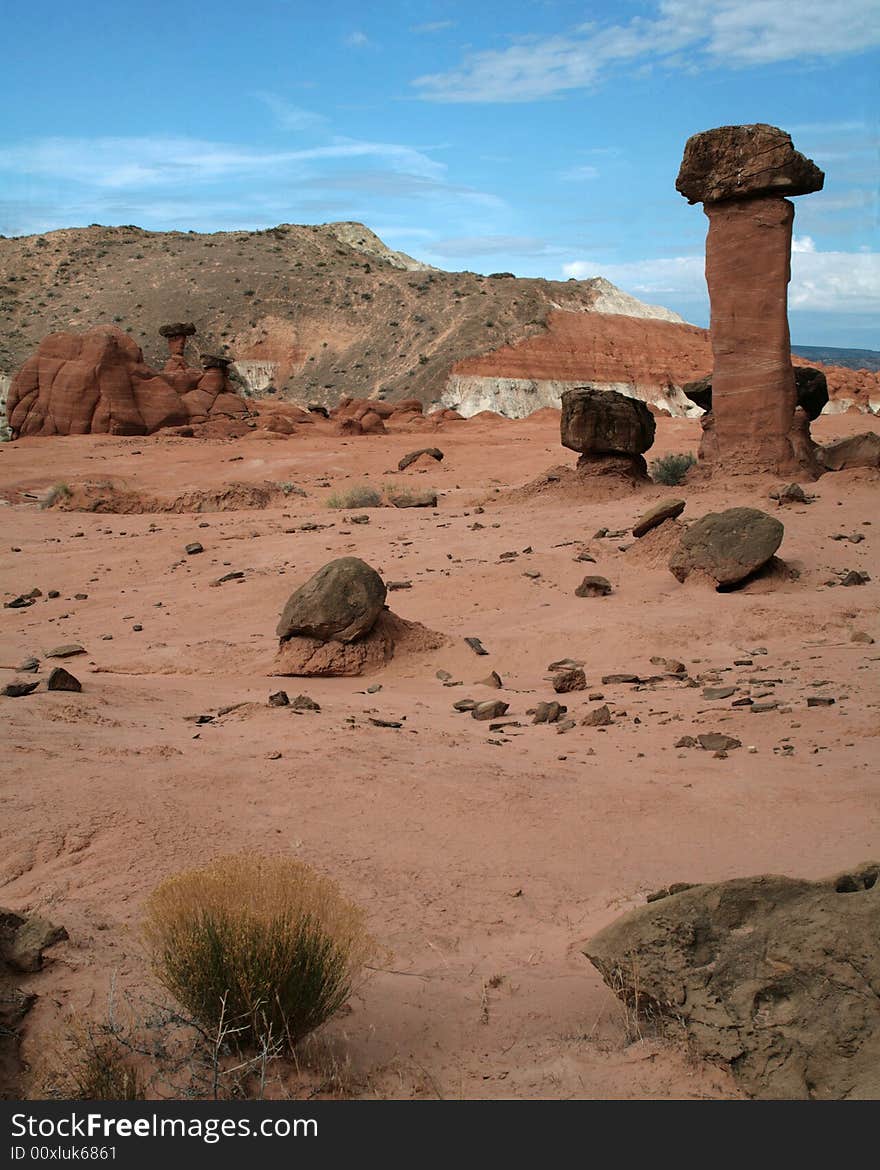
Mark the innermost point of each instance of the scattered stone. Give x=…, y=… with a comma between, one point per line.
x=820, y=701
x=565, y=664
x=363, y=518
x=585, y=556
x=491, y=680
x=792, y=493
x=856, y=636
x=20, y=602
x=340, y=602
x=566, y=725
x=728, y=546
x=273, y=755
x=476, y=645
x=686, y=741
x=425, y=499
x=433, y=452
x=572, y=679
x=548, y=712
x=394, y=586
x=768, y=975
x=593, y=587
x=393, y=723
x=746, y=701
x=374, y=689
x=66, y=651
x=443, y=675
x=665, y=510
x=62, y=680
x=17, y=690
x=601, y=717
x=194, y=548
x=492, y=709
x=464, y=705
x=855, y=577
x=279, y=699
x=29, y=665
x=716, y=741
x=53, y=594
x=763, y=708
x=718, y=692
x=304, y=703
x=670, y=665
x=614, y=679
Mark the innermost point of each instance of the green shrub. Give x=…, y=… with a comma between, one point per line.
x=259, y=949
x=671, y=469
x=356, y=497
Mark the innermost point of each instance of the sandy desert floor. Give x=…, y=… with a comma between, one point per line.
x=484, y=859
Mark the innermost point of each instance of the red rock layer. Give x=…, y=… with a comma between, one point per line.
x=600, y=347
x=97, y=383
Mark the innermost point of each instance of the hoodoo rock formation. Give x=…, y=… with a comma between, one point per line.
x=98, y=383
x=741, y=175
x=611, y=431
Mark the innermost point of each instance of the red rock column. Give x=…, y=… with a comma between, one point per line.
x=741, y=175
x=748, y=269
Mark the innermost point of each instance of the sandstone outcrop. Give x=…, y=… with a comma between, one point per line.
x=727, y=546
x=740, y=174
x=609, y=430
x=774, y=977
x=98, y=383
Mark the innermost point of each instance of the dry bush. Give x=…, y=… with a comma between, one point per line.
x=671, y=469
x=356, y=497
x=264, y=947
x=99, y=1067
x=60, y=491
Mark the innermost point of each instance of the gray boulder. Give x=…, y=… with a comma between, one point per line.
x=340, y=603
x=727, y=546
x=775, y=977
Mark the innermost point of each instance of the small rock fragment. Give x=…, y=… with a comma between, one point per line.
x=493, y=709
x=601, y=717
x=570, y=680
x=62, y=680
x=279, y=699
x=593, y=587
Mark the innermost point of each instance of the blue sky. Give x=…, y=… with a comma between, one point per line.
x=539, y=138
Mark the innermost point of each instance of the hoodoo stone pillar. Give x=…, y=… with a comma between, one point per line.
x=176, y=336
x=742, y=174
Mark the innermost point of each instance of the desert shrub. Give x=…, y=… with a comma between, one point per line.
x=257, y=948
x=356, y=497
x=59, y=491
x=99, y=1068
x=671, y=469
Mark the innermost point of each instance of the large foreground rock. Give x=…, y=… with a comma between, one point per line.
x=727, y=546
x=775, y=977
x=98, y=383
x=744, y=162
x=854, y=451
x=341, y=602
x=603, y=422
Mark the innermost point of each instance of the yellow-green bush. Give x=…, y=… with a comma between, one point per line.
x=259, y=948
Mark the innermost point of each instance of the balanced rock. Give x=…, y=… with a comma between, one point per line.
x=743, y=162
x=341, y=602
x=771, y=976
x=727, y=546
x=604, y=422
x=665, y=510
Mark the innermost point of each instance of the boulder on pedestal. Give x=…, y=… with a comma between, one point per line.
x=609, y=430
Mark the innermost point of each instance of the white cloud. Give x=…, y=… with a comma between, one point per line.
x=291, y=117
x=681, y=34
x=126, y=163
x=433, y=26
x=357, y=40
x=833, y=282
x=580, y=174
x=491, y=246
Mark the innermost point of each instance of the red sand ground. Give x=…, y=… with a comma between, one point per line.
x=479, y=862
